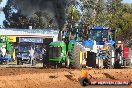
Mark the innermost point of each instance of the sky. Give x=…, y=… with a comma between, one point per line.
x=2, y=16
x=127, y=1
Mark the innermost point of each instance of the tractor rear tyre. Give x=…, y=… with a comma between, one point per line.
x=117, y=65
x=76, y=57
x=108, y=60
x=107, y=63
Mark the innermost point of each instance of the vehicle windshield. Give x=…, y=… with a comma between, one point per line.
x=98, y=35
x=54, y=52
x=22, y=54
x=24, y=48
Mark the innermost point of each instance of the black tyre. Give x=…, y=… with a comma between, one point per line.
x=117, y=65
x=107, y=63
x=84, y=81
x=0, y=61
x=56, y=66
x=19, y=62
x=76, y=56
x=34, y=62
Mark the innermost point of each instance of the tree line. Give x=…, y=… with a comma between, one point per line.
x=110, y=13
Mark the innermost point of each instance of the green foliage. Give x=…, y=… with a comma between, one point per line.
x=38, y=20
x=114, y=9
x=126, y=23
x=94, y=12
x=110, y=13
x=42, y=20
x=73, y=14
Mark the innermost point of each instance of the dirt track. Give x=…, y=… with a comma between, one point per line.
x=56, y=78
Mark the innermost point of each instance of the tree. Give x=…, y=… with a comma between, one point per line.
x=42, y=20
x=88, y=11
x=15, y=19
x=125, y=33
x=0, y=7
x=114, y=11
x=111, y=13
x=94, y=12
x=73, y=16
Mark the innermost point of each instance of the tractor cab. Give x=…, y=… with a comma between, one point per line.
x=57, y=52
x=101, y=42
x=101, y=34
x=56, y=49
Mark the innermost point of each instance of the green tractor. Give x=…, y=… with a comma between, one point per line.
x=65, y=53
x=58, y=54
x=61, y=54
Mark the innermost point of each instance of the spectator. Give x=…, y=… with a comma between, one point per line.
x=3, y=52
x=31, y=54
x=120, y=50
x=44, y=57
